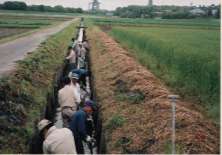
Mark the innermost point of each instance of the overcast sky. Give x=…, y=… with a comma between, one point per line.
x=112, y=4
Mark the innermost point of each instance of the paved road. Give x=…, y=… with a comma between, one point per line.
x=17, y=49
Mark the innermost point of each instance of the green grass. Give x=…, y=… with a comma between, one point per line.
x=28, y=87
x=168, y=148
x=15, y=21
x=24, y=23
x=115, y=122
x=14, y=25
x=123, y=93
x=189, y=23
x=21, y=12
x=188, y=60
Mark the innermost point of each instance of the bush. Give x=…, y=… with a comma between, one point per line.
x=178, y=15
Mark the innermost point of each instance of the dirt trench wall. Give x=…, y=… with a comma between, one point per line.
x=135, y=110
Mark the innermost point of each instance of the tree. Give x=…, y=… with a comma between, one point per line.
x=218, y=12
x=22, y=6
x=59, y=8
x=209, y=12
x=41, y=8
x=14, y=5
x=79, y=10
x=134, y=11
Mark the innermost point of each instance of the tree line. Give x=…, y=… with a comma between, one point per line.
x=15, y=5
x=167, y=12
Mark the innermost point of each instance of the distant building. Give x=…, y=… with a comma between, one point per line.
x=158, y=14
x=214, y=12
x=109, y=13
x=197, y=12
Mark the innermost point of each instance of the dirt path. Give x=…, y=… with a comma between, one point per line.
x=143, y=125
x=17, y=49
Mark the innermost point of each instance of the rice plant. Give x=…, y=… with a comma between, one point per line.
x=188, y=60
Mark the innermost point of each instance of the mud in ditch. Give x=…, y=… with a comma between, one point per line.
x=143, y=127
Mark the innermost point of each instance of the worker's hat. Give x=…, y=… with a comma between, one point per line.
x=88, y=103
x=74, y=76
x=43, y=123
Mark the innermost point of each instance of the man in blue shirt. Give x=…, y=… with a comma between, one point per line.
x=83, y=73
x=79, y=128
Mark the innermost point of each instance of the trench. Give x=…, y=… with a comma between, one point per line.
x=52, y=111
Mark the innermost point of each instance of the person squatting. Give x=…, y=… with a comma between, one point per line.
x=78, y=111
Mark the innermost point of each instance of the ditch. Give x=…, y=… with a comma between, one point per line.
x=52, y=111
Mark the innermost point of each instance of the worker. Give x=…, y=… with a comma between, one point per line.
x=83, y=51
x=83, y=73
x=71, y=58
x=81, y=63
x=94, y=118
x=83, y=78
x=94, y=107
x=79, y=128
x=56, y=141
x=68, y=99
x=74, y=80
x=72, y=43
x=77, y=48
x=86, y=45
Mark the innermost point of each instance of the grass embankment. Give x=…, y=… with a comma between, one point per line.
x=135, y=109
x=188, y=60
x=23, y=94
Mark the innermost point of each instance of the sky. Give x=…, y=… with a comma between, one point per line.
x=112, y=4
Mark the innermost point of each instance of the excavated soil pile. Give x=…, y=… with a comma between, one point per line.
x=135, y=108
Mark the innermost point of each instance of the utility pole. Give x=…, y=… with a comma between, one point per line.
x=150, y=3
x=173, y=99
x=95, y=5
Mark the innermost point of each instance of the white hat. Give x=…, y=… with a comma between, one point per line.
x=80, y=43
x=75, y=76
x=43, y=123
x=70, y=75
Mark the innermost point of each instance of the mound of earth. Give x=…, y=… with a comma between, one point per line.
x=135, y=108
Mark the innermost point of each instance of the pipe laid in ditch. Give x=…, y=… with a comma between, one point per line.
x=53, y=112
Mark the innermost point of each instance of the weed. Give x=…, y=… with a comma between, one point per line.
x=123, y=141
x=168, y=148
x=122, y=93
x=115, y=122
x=134, y=97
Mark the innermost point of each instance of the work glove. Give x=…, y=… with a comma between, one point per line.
x=88, y=139
x=89, y=118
